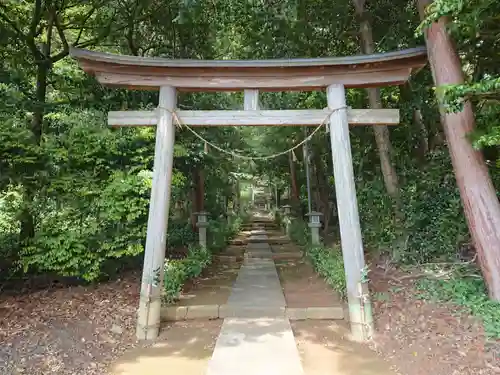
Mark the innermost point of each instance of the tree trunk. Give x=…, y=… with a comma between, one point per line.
x=381, y=131
x=27, y=219
x=237, y=197
x=198, y=195
x=481, y=205
x=200, y=191
x=295, y=198
x=322, y=196
x=422, y=133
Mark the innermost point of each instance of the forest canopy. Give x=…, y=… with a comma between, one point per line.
x=74, y=193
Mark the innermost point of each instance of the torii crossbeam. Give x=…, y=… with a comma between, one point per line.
x=335, y=74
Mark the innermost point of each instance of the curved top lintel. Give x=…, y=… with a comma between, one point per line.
x=276, y=74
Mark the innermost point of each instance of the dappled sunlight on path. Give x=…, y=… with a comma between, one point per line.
x=183, y=348
x=256, y=337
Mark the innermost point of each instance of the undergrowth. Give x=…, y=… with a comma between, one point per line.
x=327, y=261
x=178, y=271
x=220, y=232
x=469, y=293
x=299, y=232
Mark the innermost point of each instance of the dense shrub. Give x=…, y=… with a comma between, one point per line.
x=434, y=226
x=299, y=232
x=180, y=234
x=178, y=271
x=221, y=231
x=74, y=241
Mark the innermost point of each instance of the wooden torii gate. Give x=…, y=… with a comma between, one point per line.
x=334, y=74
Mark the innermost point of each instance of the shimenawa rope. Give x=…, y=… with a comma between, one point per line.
x=246, y=157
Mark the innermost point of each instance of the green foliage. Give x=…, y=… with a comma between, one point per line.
x=177, y=272
x=180, y=234
x=329, y=263
x=299, y=232
x=440, y=8
x=72, y=242
x=74, y=194
x=220, y=232
x=455, y=95
x=435, y=224
x=468, y=292
x=376, y=215
x=174, y=279
x=433, y=227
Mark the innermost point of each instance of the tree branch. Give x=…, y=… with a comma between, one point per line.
x=82, y=26
x=64, y=41
x=37, y=16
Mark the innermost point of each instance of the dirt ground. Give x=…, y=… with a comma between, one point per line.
x=324, y=350
x=421, y=337
x=213, y=287
x=302, y=287
x=82, y=330
x=61, y=331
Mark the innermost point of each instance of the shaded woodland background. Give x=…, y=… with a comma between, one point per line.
x=74, y=193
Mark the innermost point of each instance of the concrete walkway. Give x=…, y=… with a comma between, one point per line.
x=256, y=340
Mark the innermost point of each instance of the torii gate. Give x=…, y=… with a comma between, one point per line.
x=335, y=74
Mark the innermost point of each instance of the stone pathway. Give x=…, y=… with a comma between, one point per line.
x=254, y=338
x=263, y=344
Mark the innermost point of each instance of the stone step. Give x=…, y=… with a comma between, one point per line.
x=176, y=313
x=268, y=225
x=289, y=255
x=238, y=242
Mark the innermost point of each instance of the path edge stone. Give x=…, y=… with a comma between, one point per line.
x=193, y=312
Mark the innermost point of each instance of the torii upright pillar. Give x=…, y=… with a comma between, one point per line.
x=360, y=314
x=148, y=319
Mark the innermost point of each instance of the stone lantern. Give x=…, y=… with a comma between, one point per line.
x=202, y=224
x=315, y=224
x=287, y=209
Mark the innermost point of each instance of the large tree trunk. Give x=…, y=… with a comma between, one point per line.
x=479, y=198
x=381, y=131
